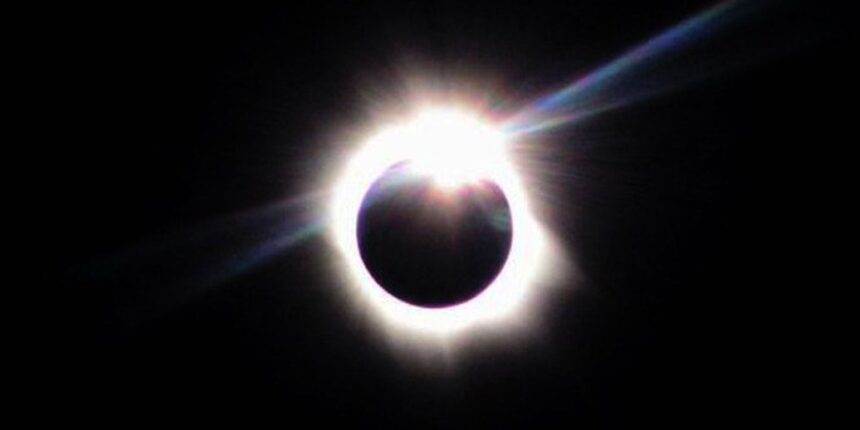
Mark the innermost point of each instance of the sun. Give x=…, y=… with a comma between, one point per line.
x=454, y=148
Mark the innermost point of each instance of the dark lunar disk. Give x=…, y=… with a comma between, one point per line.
x=431, y=246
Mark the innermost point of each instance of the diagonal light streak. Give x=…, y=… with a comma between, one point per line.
x=606, y=87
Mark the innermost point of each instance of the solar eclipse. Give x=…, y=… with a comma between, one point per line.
x=442, y=183
x=452, y=214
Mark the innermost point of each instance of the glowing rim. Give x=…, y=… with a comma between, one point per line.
x=459, y=148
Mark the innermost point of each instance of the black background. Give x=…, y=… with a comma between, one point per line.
x=683, y=211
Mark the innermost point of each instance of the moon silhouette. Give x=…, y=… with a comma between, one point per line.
x=431, y=245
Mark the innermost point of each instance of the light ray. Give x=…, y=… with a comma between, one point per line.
x=151, y=277
x=598, y=91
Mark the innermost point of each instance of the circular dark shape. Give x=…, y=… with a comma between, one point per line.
x=431, y=246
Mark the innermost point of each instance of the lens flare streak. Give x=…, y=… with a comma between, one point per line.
x=176, y=267
x=588, y=95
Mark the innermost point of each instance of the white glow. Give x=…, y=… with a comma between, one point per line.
x=454, y=148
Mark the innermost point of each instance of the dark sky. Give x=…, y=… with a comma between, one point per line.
x=165, y=119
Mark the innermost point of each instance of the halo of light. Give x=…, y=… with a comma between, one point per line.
x=455, y=148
